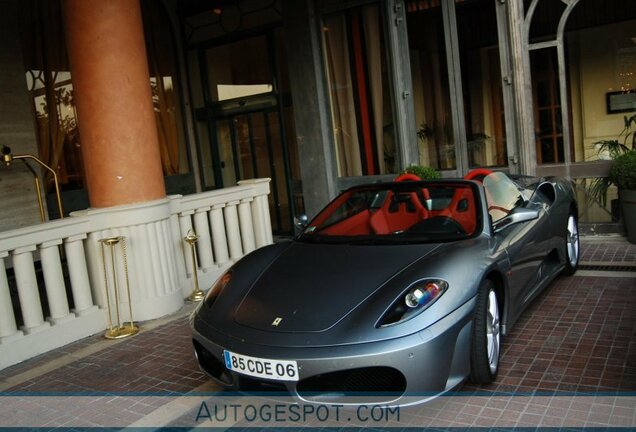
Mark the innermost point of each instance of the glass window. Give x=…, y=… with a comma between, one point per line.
x=355, y=53
x=49, y=81
x=601, y=61
x=429, y=73
x=162, y=64
x=547, y=106
x=481, y=78
x=232, y=74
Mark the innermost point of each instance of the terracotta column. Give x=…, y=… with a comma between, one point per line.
x=112, y=92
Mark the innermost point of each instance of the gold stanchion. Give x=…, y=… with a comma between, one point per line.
x=197, y=295
x=121, y=330
x=8, y=159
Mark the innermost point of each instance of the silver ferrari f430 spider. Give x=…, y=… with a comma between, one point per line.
x=394, y=289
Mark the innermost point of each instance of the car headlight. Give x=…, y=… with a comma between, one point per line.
x=217, y=288
x=417, y=298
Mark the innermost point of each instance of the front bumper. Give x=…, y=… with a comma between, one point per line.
x=414, y=367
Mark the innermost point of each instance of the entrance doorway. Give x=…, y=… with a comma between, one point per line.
x=249, y=145
x=246, y=124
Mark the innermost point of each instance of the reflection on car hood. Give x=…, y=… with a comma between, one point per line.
x=310, y=287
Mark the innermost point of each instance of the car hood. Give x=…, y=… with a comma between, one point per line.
x=311, y=287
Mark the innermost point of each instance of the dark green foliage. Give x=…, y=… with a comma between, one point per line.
x=616, y=149
x=623, y=171
x=423, y=172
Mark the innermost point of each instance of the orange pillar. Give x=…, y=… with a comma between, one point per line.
x=112, y=93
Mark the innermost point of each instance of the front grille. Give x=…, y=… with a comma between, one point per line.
x=251, y=385
x=371, y=381
x=210, y=364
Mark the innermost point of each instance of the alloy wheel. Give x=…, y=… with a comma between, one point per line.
x=492, y=331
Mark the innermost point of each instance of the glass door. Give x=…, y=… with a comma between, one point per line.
x=250, y=146
x=243, y=130
x=457, y=85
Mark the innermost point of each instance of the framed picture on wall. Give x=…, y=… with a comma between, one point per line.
x=621, y=101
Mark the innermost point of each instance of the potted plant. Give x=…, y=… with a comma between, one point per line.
x=423, y=172
x=623, y=175
x=613, y=149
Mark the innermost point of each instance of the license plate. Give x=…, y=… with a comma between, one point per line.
x=282, y=370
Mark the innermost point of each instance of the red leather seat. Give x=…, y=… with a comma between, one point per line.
x=398, y=212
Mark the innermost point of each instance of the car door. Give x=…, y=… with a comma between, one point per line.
x=525, y=242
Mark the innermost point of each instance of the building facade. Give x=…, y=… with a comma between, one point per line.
x=321, y=94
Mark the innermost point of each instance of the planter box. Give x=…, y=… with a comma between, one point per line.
x=628, y=206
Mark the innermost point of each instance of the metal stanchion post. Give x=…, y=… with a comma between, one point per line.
x=197, y=295
x=120, y=330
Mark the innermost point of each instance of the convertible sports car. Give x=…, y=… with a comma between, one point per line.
x=394, y=289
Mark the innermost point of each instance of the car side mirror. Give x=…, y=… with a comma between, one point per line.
x=519, y=215
x=300, y=223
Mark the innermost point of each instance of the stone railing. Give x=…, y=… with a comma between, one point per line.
x=71, y=287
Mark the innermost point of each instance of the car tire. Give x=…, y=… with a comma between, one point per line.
x=486, y=336
x=572, y=246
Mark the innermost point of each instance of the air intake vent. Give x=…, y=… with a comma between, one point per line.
x=372, y=381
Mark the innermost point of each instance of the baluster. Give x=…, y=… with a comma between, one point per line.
x=8, y=328
x=260, y=211
x=185, y=224
x=233, y=231
x=219, y=238
x=30, y=304
x=266, y=220
x=245, y=221
x=77, y=269
x=54, y=282
x=257, y=222
x=262, y=224
x=204, y=243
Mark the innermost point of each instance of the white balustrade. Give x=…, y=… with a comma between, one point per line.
x=230, y=222
x=54, y=281
x=245, y=222
x=204, y=243
x=78, y=274
x=233, y=230
x=25, y=277
x=260, y=211
x=218, y=234
x=8, y=327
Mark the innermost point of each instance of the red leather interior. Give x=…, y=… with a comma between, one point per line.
x=462, y=209
x=407, y=177
x=402, y=210
x=357, y=224
x=398, y=213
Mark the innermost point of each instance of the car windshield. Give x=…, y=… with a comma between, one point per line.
x=401, y=212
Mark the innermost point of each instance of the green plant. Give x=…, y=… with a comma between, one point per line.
x=425, y=132
x=423, y=172
x=623, y=171
x=615, y=148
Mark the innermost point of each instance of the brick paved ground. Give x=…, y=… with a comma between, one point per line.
x=577, y=336
x=608, y=250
